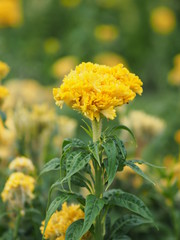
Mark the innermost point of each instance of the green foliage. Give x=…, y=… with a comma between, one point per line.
x=52, y=165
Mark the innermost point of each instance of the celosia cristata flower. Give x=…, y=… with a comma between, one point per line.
x=96, y=90
x=10, y=13
x=3, y=92
x=61, y=220
x=18, y=189
x=177, y=137
x=163, y=20
x=4, y=69
x=22, y=164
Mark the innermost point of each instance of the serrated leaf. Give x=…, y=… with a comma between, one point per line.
x=92, y=209
x=72, y=144
x=125, y=223
x=74, y=229
x=111, y=164
x=134, y=167
x=52, y=165
x=79, y=162
x=128, y=201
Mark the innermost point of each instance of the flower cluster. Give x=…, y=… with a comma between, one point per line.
x=61, y=220
x=96, y=90
x=22, y=164
x=18, y=190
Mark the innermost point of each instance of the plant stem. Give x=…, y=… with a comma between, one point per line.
x=16, y=228
x=99, y=188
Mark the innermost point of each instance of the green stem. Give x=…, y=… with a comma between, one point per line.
x=99, y=188
x=16, y=228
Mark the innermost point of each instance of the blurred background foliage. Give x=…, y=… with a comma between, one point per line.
x=42, y=40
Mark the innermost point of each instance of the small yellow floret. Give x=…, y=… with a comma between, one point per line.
x=61, y=220
x=22, y=164
x=18, y=186
x=95, y=90
x=4, y=70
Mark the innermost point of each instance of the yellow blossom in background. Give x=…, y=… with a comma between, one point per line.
x=52, y=45
x=177, y=137
x=10, y=13
x=3, y=92
x=163, y=20
x=143, y=125
x=61, y=220
x=26, y=92
x=174, y=74
x=18, y=189
x=109, y=58
x=106, y=33
x=63, y=65
x=22, y=164
x=4, y=70
x=70, y=3
x=96, y=90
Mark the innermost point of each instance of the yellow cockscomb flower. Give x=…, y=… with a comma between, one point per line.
x=10, y=13
x=163, y=20
x=96, y=90
x=106, y=33
x=63, y=65
x=3, y=92
x=70, y=3
x=4, y=70
x=61, y=220
x=177, y=137
x=18, y=189
x=22, y=164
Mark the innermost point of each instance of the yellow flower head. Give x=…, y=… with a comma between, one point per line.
x=10, y=13
x=22, y=164
x=96, y=90
x=18, y=189
x=163, y=20
x=106, y=33
x=4, y=70
x=61, y=220
x=3, y=92
x=177, y=137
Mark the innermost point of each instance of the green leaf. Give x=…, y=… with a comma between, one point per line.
x=111, y=163
x=125, y=223
x=120, y=127
x=72, y=144
x=74, y=229
x=54, y=206
x=92, y=209
x=129, y=201
x=134, y=167
x=81, y=181
x=78, y=163
x=146, y=163
x=52, y=165
x=122, y=154
x=88, y=130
